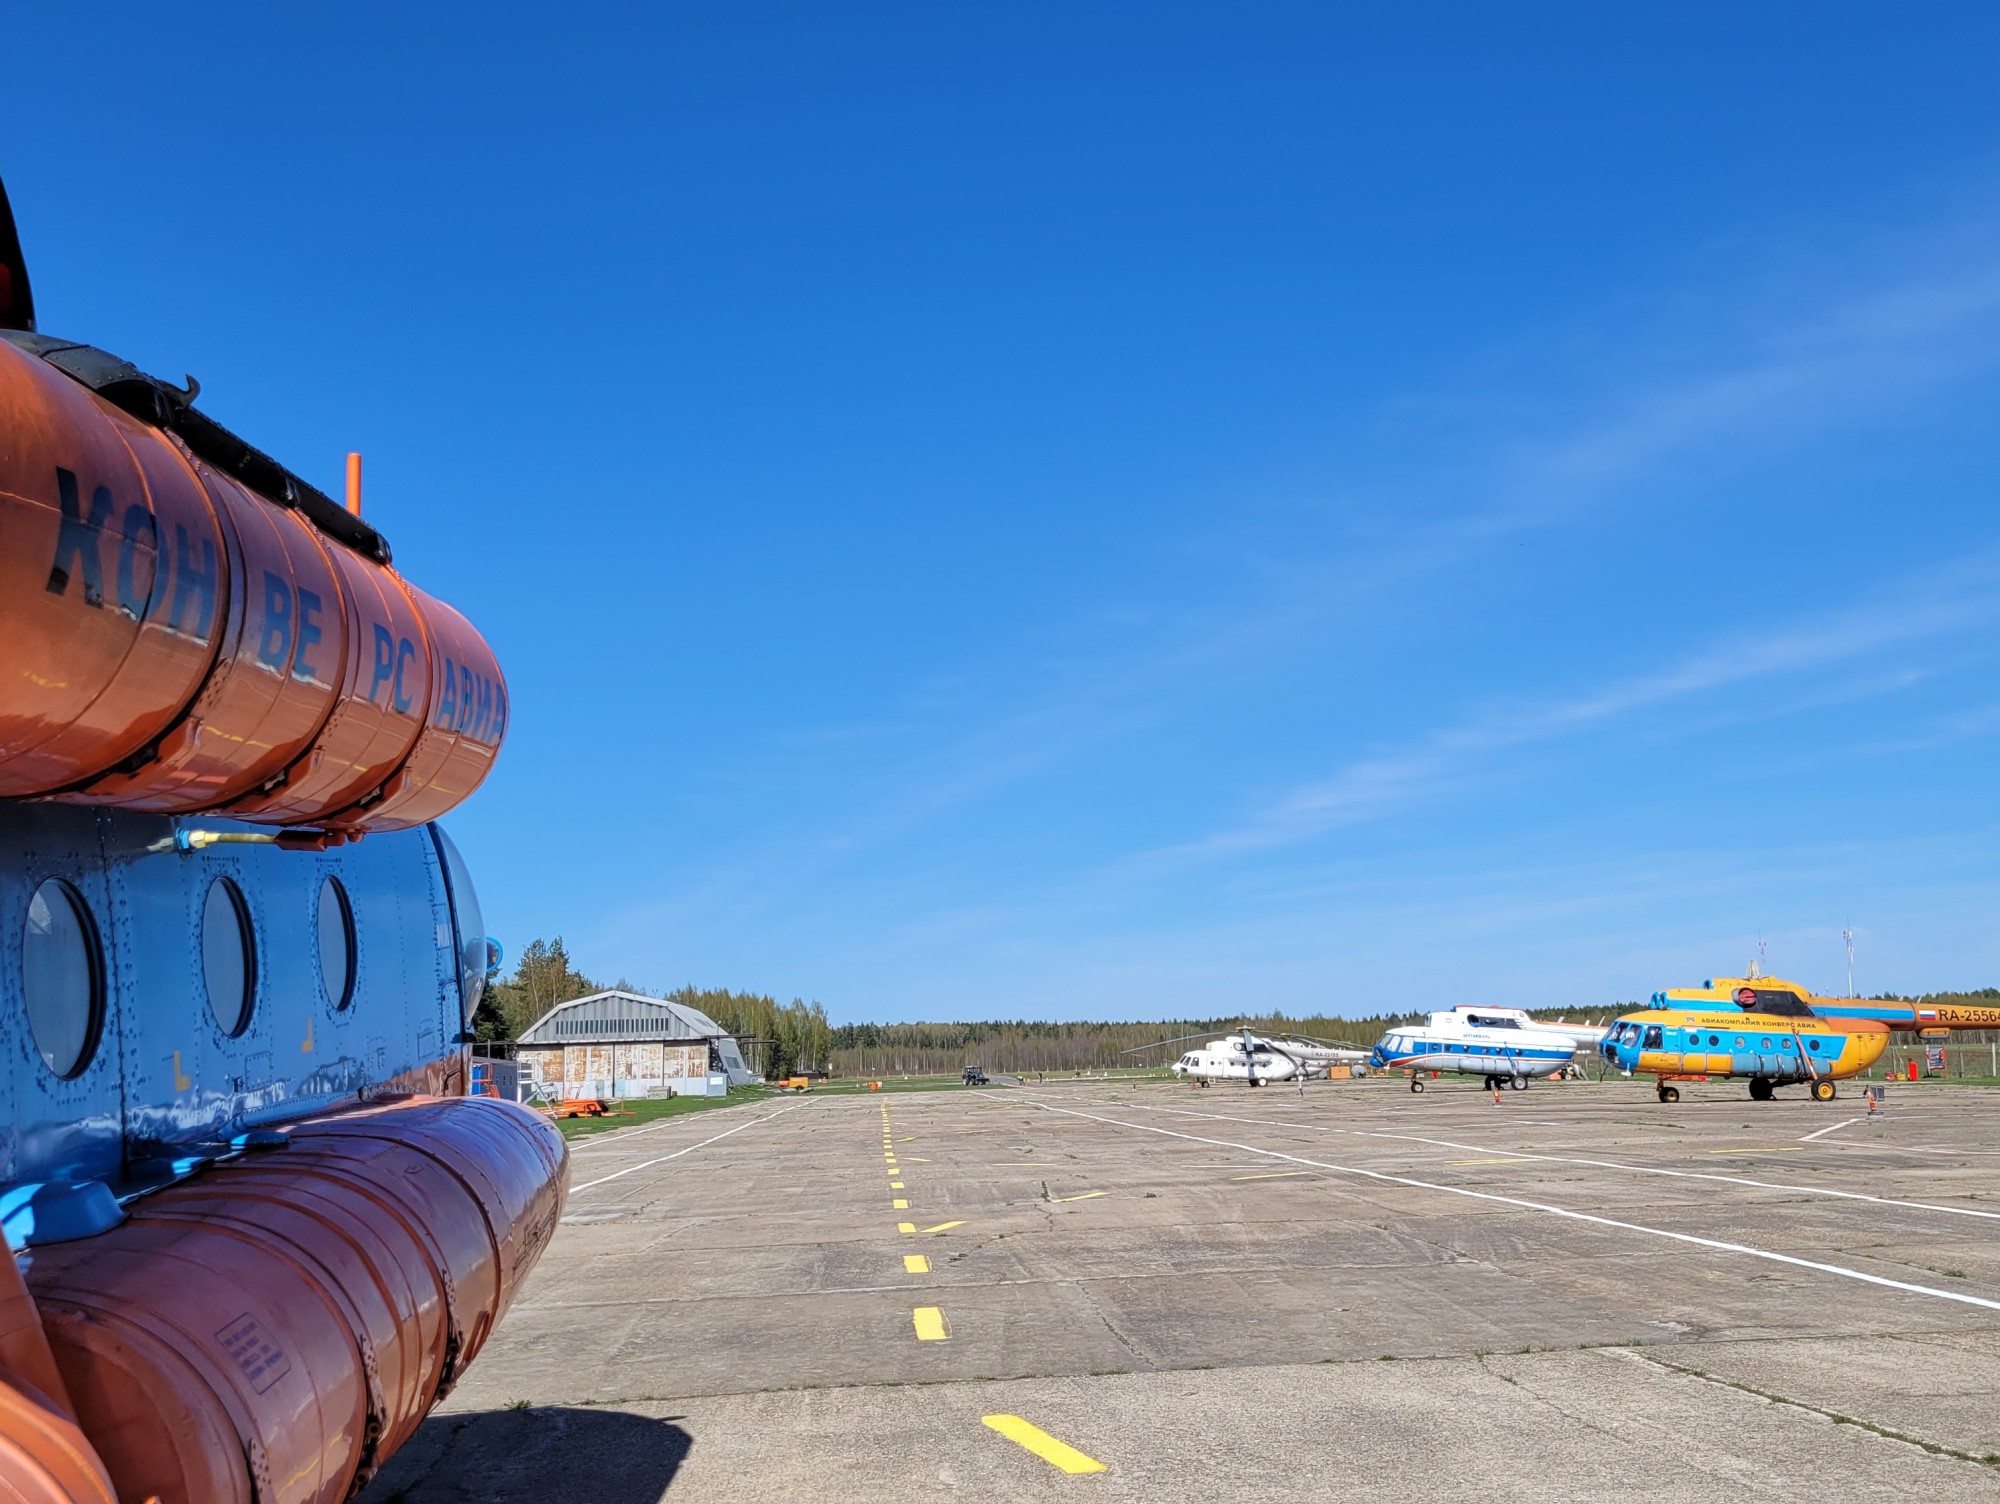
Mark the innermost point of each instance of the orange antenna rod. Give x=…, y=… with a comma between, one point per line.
x=354, y=484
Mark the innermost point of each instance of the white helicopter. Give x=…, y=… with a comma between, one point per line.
x=1257, y=1059
x=1504, y=1045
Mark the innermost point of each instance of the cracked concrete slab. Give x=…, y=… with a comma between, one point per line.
x=737, y=1323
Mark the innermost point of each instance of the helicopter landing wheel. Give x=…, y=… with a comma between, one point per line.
x=1669, y=1093
x=1518, y=1083
x=1760, y=1089
x=1824, y=1090
x=1416, y=1083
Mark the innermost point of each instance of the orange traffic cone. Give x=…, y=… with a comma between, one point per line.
x=1496, y=1099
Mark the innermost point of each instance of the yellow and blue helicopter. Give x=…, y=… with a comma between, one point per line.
x=1761, y=1029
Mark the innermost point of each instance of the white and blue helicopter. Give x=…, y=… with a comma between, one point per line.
x=1503, y=1045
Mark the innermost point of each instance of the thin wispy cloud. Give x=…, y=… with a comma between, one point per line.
x=1476, y=471
x=1938, y=604
x=1866, y=347
x=1862, y=347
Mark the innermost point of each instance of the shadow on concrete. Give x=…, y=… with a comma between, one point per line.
x=548, y=1455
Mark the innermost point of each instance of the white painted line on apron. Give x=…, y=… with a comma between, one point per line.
x=1554, y=1211
x=634, y=1169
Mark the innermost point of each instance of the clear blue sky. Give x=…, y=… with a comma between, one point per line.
x=1126, y=510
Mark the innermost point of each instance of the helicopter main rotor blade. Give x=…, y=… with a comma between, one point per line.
x=1178, y=1038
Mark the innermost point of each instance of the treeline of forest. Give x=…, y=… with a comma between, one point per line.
x=925, y=1048
x=779, y=1039
x=1023, y=1045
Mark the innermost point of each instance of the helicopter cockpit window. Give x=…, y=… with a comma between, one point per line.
x=1773, y=1000
x=1652, y=1038
x=336, y=943
x=62, y=978
x=469, y=928
x=228, y=956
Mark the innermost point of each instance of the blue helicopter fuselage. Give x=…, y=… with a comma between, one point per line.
x=156, y=1002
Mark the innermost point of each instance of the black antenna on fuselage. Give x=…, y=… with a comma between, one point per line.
x=17, y=298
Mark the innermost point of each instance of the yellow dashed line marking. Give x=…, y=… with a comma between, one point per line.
x=896, y=1185
x=916, y=1263
x=1086, y=1196
x=1058, y=1454
x=942, y=1227
x=899, y=1205
x=906, y=1227
x=930, y=1325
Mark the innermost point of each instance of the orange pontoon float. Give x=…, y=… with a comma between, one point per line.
x=256, y=1230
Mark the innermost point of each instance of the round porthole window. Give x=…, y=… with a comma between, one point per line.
x=62, y=978
x=336, y=943
x=228, y=956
